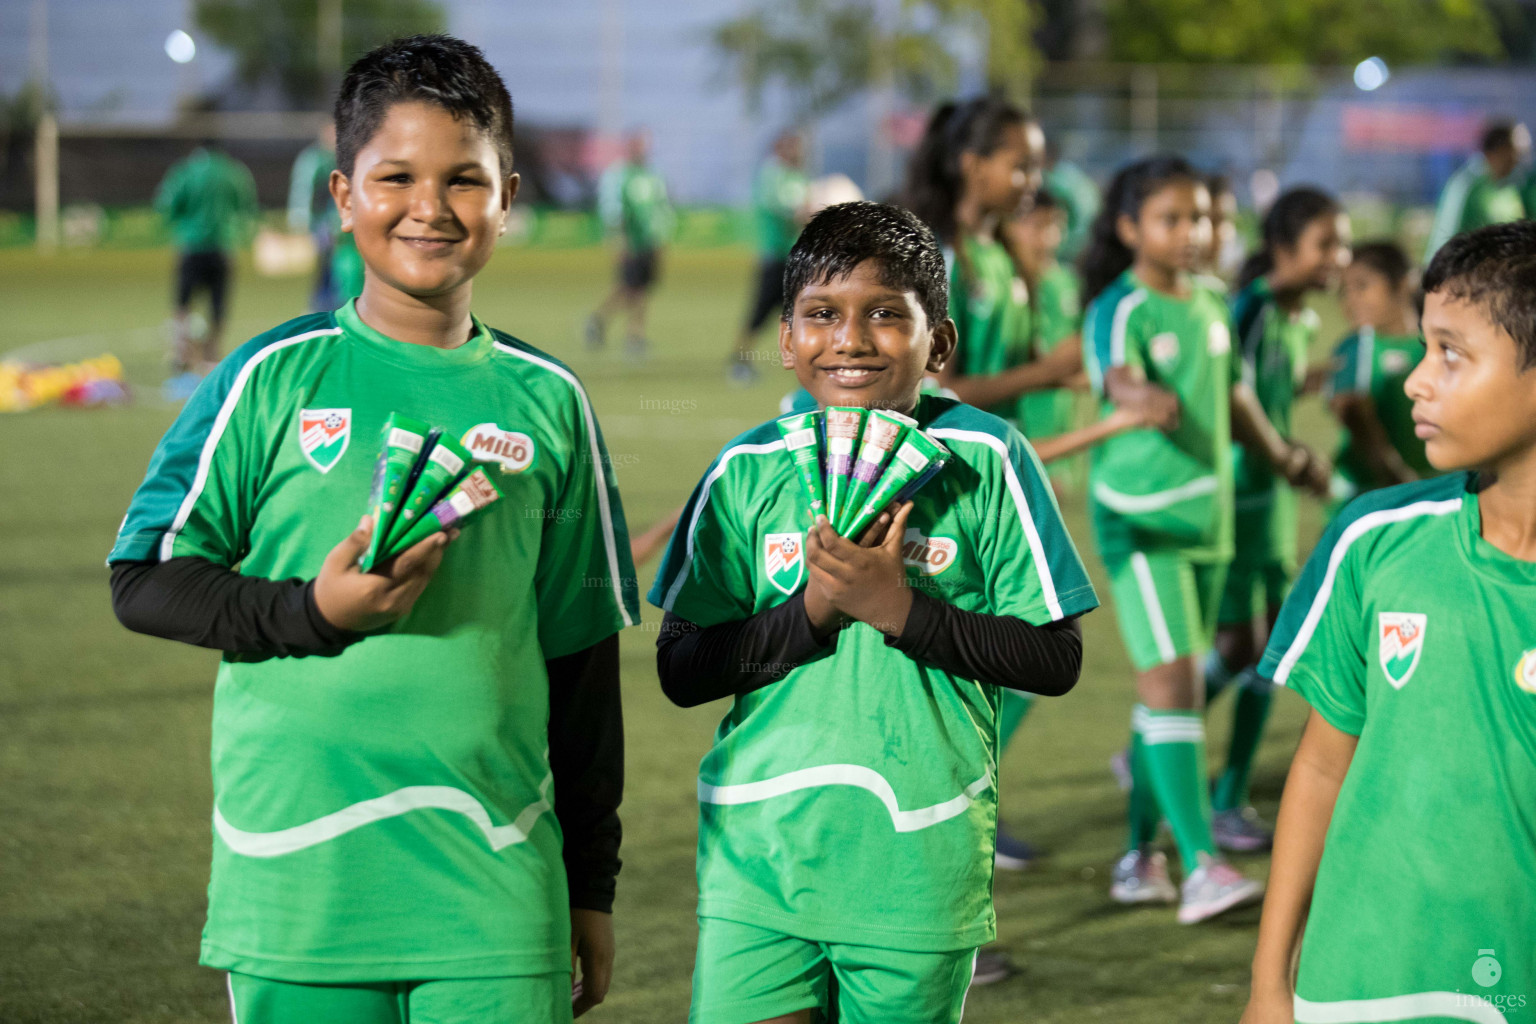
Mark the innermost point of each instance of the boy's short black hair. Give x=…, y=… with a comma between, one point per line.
x=1497, y=135
x=1493, y=268
x=436, y=69
x=841, y=237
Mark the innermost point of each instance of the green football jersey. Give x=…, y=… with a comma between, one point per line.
x=1272, y=347
x=633, y=199
x=1057, y=314
x=1410, y=631
x=385, y=814
x=989, y=303
x=1473, y=199
x=210, y=200
x=1150, y=488
x=1378, y=365
x=777, y=196
x=855, y=800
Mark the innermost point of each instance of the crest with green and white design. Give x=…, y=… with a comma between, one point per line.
x=784, y=560
x=1401, y=636
x=324, y=435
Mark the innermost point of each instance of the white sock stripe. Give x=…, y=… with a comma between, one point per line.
x=1159, y=623
x=1161, y=739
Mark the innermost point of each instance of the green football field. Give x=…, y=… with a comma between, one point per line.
x=105, y=801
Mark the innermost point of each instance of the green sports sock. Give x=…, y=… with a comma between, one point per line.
x=1016, y=705
x=1175, y=755
x=1217, y=676
x=1249, y=713
x=1141, y=803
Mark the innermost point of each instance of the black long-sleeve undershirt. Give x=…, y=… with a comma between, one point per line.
x=698, y=664
x=199, y=602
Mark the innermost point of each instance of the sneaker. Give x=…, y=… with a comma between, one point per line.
x=1013, y=853
x=594, y=333
x=1141, y=876
x=992, y=967
x=180, y=387
x=1213, y=888
x=1241, y=830
x=1120, y=765
x=743, y=374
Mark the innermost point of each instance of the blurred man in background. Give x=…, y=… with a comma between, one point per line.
x=632, y=199
x=1484, y=191
x=311, y=211
x=209, y=198
x=778, y=212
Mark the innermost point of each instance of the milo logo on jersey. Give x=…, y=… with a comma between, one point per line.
x=784, y=560
x=928, y=555
x=1525, y=671
x=324, y=435
x=512, y=450
x=1401, y=644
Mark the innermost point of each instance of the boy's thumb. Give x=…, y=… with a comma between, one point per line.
x=356, y=542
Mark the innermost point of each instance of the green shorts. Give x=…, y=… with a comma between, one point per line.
x=745, y=974
x=1165, y=603
x=1252, y=590
x=522, y=999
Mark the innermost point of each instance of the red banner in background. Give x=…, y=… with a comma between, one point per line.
x=1403, y=128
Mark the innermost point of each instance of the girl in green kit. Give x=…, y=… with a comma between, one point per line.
x=1370, y=366
x=1161, y=504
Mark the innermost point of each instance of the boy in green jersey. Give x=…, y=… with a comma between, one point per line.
x=1305, y=242
x=1161, y=504
x=865, y=675
x=1405, y=858
x=209, y=198
x=416, y=776
x=1484, y=190
x=632, y=199
x=1370, y=366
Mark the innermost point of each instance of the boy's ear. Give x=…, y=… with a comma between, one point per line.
x=786, y=348
x=508, y=193
x=341, y=194
x=942, y=349
x=1125, y=230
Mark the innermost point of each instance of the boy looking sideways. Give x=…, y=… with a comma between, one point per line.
x=1412, y=636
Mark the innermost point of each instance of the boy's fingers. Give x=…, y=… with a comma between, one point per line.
x=421, y=559
x=874, y=533
x=897, y=531
x=345, y=555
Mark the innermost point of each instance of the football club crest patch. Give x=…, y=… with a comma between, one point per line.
x=784, y=560
x=324, y=435
x=1164, y=347
x=1525, y=671
x=1401, y=644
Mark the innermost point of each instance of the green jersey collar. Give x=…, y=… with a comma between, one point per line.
x=417, y=357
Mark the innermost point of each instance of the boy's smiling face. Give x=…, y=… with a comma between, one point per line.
x=426, y=201
x=1474, y=406
x=858, y=341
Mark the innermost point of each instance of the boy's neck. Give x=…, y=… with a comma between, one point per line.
x=437, y=321
x=1161, y=278
x=974, y=219
x=1508, y=507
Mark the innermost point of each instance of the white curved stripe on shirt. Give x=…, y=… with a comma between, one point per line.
x=390, y=805
x=845, y=775
x=1413, y=1006
x=1131, y=504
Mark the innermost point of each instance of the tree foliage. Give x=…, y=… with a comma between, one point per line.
x=277, y=41
x=1316, y=32
x=823, y=51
